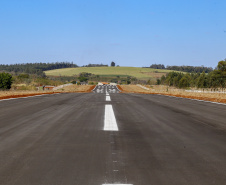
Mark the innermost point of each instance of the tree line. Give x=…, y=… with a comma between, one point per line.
x=35, y=68
x=96, y=65
x=189, y=69
x=100, y=65
x=213, y=79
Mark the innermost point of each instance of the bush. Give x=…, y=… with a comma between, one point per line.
x=82, y=79
x=91, y=83
x=74, y=82
x=5, y=81
x=158, y=82
x=22, y=75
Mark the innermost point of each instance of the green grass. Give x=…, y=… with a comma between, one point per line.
x=139, y=73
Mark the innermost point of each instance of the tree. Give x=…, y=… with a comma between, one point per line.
x=218, y=77
x=5, y=81
x=112, y=64
x=184, y=81
x=202, y=81
x=222, y=65
x=158, y=82
x=173, y=78
x=163, y=79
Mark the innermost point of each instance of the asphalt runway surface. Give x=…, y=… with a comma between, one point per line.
x=108, y=137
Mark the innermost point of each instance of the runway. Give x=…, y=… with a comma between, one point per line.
x=107, y=137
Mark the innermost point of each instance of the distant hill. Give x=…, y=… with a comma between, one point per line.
x=137, y=72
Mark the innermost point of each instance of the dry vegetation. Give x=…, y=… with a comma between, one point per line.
x=17, y=94
x=160, y=89
x=77, y=88
x=68, y=89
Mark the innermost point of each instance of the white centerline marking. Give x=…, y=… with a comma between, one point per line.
x=108, y=98
x=110, y=123
x=117, y=184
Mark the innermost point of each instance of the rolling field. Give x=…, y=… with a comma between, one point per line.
x=139, y=73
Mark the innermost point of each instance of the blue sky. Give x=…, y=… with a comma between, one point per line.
x=129, y=32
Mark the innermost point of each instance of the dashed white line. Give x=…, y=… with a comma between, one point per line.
x=108, y=98
x=117, y=184
x=110, y=123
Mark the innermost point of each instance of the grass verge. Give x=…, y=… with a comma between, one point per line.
x=163, y=90
x=68, y=89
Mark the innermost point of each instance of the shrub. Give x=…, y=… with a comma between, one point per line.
x=22, y=75
x=74, y=82
x=91, y=83
x=5, y=81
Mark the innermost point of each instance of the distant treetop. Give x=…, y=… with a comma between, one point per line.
x=190, y=69
x=96, y=65
x=157, y=66
x=222, y=65
x=112, y=64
